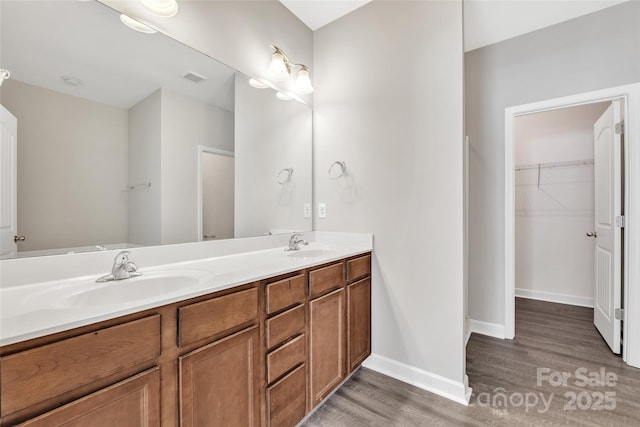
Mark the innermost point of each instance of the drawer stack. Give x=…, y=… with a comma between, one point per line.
x=286, y=351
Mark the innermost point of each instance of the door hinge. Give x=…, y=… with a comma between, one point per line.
x=620, y=128
x=620, y=221
x=619, y=314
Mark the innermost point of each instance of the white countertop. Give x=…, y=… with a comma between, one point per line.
x=38, y=309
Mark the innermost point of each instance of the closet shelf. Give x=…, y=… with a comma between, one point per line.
x=583, y=162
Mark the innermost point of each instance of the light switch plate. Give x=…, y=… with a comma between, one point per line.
x=322, y=210
x=307, y=210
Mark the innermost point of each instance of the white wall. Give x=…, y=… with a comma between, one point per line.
x=144, y=166
x=186, y=124
x=564, y=59
x=71, y=179
x=270, y=135
x=388, y=102
x=554, y=257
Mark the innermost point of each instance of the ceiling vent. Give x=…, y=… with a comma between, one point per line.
x=196, y=78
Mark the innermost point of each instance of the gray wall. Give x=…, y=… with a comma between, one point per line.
x=270, y=135
x=592, y=52
x=72, y=168
x=388, y=102
x=144, y=166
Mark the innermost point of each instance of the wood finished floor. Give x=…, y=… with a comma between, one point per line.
x=555, y=336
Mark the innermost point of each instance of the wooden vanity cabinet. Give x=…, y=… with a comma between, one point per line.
x=358, y=310
x=261, y=354
x=133, y=402
x=285, y=351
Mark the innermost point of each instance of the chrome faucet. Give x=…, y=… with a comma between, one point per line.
x=122, y=268
x=295, y=241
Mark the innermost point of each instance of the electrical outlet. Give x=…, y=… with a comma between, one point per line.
x=307, y=210
x=322, y=210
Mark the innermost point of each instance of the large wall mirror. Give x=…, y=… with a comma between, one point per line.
x=128, y=139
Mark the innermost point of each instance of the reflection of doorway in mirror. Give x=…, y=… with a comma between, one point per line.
x=216, y=195
x=8, y=154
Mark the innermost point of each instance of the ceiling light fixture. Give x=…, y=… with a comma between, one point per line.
x=162, y=8
x=281, y=66
x=283, y=96
x=257, y=84
x=136, y=25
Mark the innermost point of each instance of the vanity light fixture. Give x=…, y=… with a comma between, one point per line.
x=136, y=25
x=162, y=8
x=281, y=66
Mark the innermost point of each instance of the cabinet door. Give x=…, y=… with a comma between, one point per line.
x=359, y=322
x=326, y=344
x=134, y=402
x=219, y=382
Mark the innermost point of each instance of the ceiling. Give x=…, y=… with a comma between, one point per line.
x=41, y=41
x=485, y=21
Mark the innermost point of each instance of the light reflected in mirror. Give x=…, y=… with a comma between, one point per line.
x=127, y=139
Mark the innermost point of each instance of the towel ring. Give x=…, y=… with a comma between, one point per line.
x=284, y=175
x=337, y=169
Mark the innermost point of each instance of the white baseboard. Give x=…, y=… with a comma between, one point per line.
x=457, y=391
x=554, y=297
x=485, y=328
x=467, y=334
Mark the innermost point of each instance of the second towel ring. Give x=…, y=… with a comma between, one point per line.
x=284, y=175
x=337, y=169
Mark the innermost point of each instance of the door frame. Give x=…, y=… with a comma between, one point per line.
x=631, y=271
x=202, y=149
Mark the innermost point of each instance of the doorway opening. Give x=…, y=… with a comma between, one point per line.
x=534, y=175
x=216, y=177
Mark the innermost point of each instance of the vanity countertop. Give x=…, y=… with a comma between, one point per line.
x=39, y=309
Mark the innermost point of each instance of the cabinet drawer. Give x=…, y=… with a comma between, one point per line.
x=326, y=279
x=285, y=293
x=286, y=400
x=286, y=357
x=129, y=403
x=211, y=318
x=38, y=374
x=285, y=325
x=358, y=268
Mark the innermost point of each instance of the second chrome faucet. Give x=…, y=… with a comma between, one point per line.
x=295, y=241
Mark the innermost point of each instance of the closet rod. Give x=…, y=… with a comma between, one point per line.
x=554, y=164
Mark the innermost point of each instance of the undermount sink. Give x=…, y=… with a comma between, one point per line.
x=310, y=253
x=133, y=290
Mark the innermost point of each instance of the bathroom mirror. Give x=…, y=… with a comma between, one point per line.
x=131, y=139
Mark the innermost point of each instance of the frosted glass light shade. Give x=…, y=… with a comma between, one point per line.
x=303, y=81
x=278, y=68
x=163, y=8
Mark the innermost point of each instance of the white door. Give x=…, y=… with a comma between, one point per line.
x=608, y=204
x=217, y=201
x=8, y=185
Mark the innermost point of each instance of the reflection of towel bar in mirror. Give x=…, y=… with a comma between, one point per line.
x=284, y=175
x=337, y=169
x=142, y=184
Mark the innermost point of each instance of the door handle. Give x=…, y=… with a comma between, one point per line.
x=19, y=238
x=594, y=234
x=208, y=236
